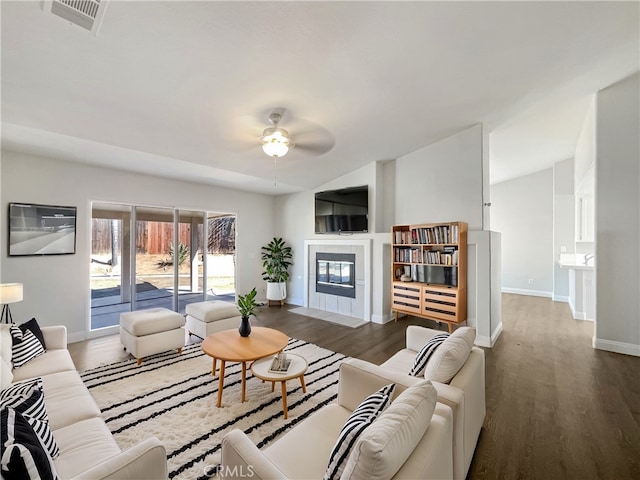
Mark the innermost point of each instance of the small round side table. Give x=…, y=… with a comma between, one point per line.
x=297, y=369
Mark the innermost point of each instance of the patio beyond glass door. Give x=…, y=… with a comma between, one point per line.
x=189, y=258
x=154, y=258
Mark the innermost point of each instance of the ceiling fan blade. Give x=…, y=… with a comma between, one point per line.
x=316, y=149
x=316, y=140
x=241, y=134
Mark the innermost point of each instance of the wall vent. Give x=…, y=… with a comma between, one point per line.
x=84, y=13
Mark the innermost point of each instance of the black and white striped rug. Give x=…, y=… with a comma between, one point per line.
x=173, y=397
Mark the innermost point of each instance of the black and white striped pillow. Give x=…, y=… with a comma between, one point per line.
x=35, y=329
x=25, y=346
x=44, y=433
x=31, y=404
x=21, y=388
x=32, y=408
x=423, y=356
x=361, y=418
x=23, y=454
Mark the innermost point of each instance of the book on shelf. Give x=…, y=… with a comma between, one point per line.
x=280, y=364
x=403, y=237
x=441, y=234
x=421, y=276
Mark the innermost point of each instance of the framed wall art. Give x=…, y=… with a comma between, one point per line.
x=41, y=229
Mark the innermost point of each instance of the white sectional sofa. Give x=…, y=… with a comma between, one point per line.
x=87, y=448
x=419, y=448
x=464, y=394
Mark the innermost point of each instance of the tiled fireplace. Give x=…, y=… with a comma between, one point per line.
x=337, y=277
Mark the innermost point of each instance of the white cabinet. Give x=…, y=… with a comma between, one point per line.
x=585, y=218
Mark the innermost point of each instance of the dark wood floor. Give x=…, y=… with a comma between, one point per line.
x=556, y=408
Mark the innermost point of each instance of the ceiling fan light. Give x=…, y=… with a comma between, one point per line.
x=275, y=148
x=275, y=142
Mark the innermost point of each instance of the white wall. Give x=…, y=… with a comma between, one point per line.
x=585, y=154
x=563, y=224
x=442, y=182
x=584, y=177
x=618, y=218
x=522, y=210
x=56, y=288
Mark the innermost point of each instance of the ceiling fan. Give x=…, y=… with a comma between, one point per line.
x=278, y=131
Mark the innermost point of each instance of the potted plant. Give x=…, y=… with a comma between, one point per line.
x=246, y=306
x=276, y=256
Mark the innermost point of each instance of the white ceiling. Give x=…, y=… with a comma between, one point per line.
x=183, y=89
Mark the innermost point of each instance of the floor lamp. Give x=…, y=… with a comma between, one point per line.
x=9, y=293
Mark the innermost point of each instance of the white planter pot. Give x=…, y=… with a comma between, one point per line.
x=276, y=291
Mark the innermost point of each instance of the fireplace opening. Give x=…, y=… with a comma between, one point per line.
x=336, y=274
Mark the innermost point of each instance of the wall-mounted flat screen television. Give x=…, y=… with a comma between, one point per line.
x=345, y=210
x=41, y=229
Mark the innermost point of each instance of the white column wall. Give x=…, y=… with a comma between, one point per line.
x=618, y=218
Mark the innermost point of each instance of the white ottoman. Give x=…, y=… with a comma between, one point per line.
x=205, y=318
x=151, y=331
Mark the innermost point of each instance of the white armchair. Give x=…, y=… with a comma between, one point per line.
x=464, y=394
x=303, y=452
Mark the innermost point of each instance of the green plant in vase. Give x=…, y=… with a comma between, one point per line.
x=276, y=260
x=246, y=306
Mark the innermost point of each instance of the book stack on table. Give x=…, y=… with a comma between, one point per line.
x=280, y=364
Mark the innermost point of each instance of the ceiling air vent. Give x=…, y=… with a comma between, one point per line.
x=84, y=13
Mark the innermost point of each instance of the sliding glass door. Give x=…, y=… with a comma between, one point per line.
x=109, y=264
x=220, y=259
x=147, y=257
x=154, y=257
x=191, y=281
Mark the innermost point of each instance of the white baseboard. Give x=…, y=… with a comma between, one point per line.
x=295, y=301
x=489, y=342
x=381, y=319
x=561, y=298
x=578, y=315
x=103, y=332
x=74, y=337
x=496, y=334
x=524, y=291
x=617, y=347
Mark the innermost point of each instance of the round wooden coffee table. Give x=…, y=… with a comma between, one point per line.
x=229, y=346
x=297, y=369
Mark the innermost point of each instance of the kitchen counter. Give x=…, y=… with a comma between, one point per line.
x=575, y=261
x=581, y=285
